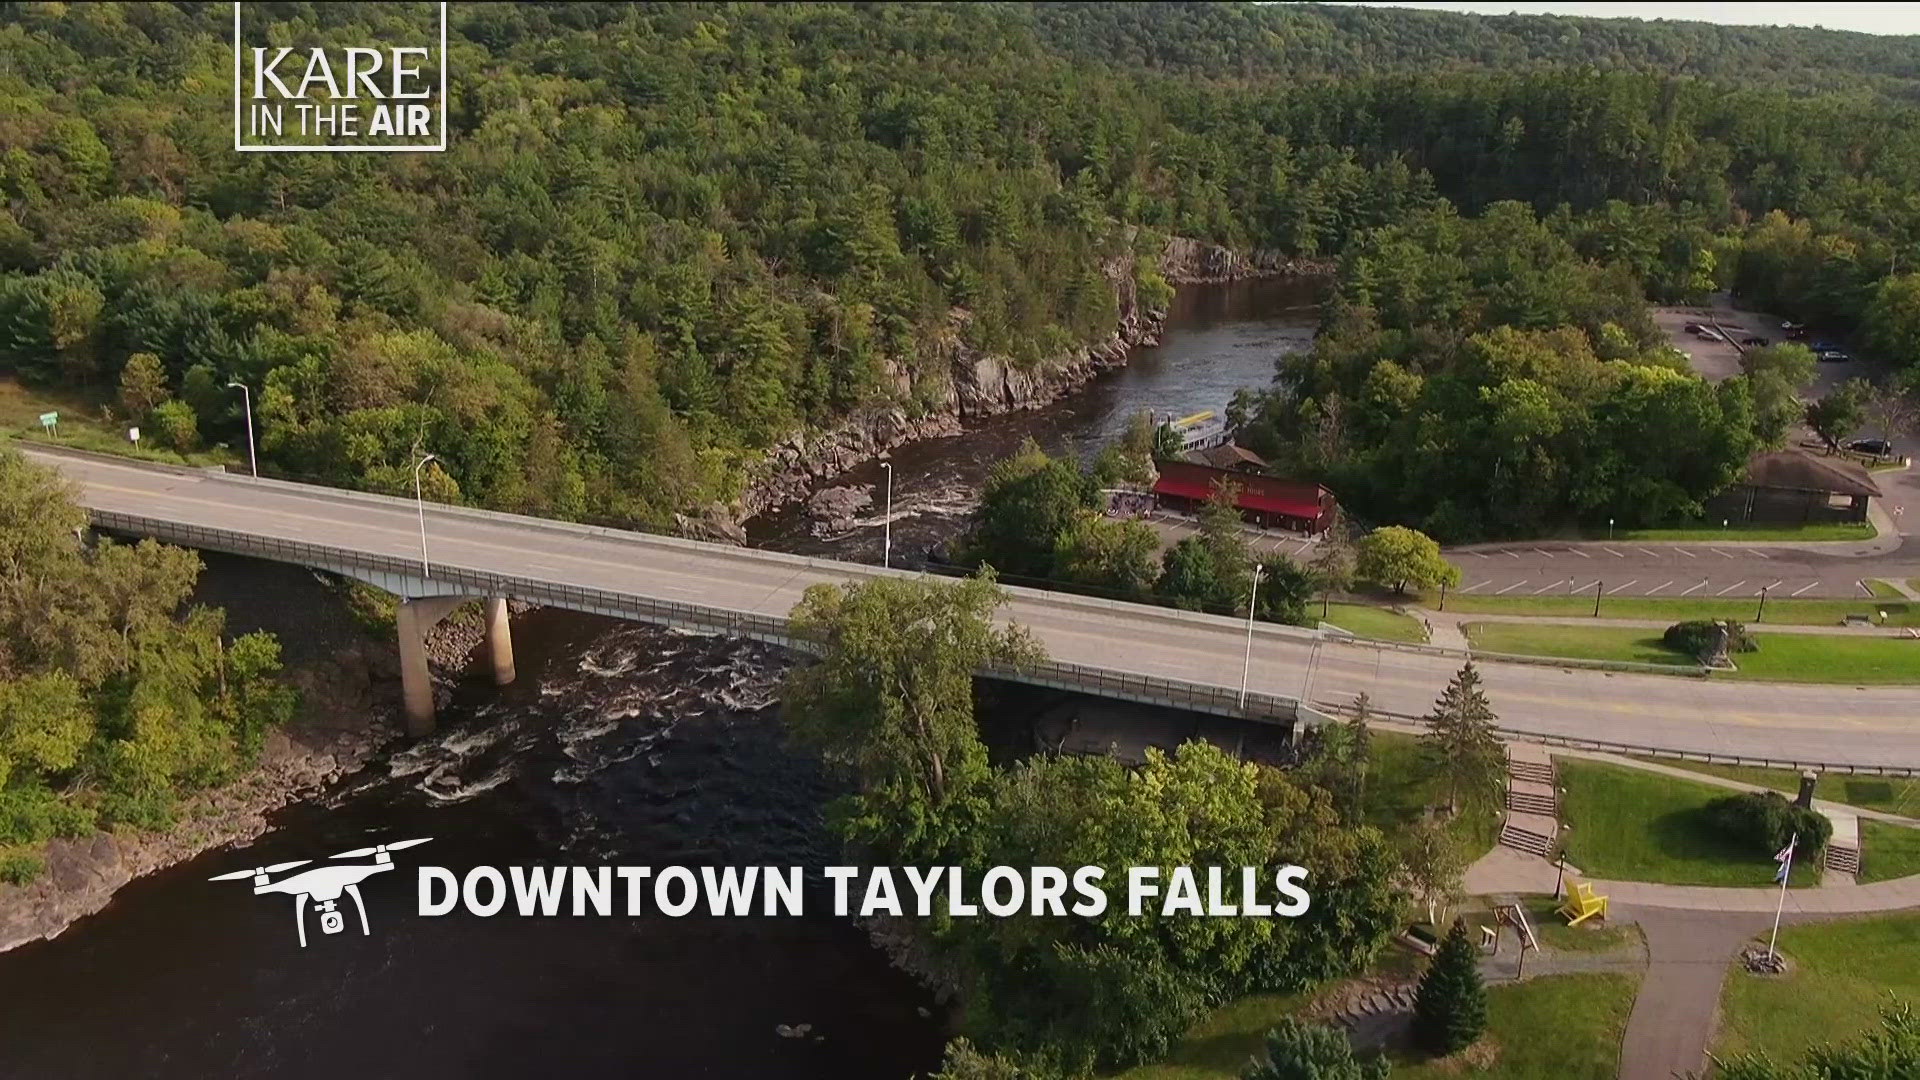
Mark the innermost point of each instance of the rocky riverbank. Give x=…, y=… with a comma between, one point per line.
x=968, y=384
x=348, y=679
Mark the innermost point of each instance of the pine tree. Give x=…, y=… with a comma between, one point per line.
x=1300, y=1051
x=1451, y=1009
x=1461, y=740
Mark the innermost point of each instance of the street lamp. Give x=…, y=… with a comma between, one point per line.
x=1246, y=664
x=886, y=547
x=253, y=463
x=420, y=505
x=1609, y=530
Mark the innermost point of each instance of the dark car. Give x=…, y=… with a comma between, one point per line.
x=1755, y=341
x=1876, y=447
x=1833, y=356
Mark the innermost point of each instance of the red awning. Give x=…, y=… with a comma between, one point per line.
x=1199, y=488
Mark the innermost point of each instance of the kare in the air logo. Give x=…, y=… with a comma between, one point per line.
x=323, y=886
x=296, y=89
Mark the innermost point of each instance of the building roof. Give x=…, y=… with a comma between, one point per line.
x=1797, y=470
x=1293, y=498
x=1226, y=456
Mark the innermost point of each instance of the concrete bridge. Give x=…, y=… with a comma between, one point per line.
x=1129, y=651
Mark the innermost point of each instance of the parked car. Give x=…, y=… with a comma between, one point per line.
x=1756, y=342
x=1876, y=447
x=1833, y=356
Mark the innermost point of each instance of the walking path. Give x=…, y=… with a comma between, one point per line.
x=1693, y=933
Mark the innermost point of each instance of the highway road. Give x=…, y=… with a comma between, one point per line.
x=1836, y=724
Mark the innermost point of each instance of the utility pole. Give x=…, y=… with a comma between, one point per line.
x=426, y=570
x=1597, y=586
x=1760, y=616
x=253, y=463
x=1246, y=664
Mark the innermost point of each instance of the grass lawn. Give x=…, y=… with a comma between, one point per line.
x=1780, y=612
x=1843, y=972
x=1369, y=621
x=1887, y=851
x=1630, y=825
x=1576, y=642
x=1592, y=936
x=1705, y=532
x=1401, y=784
x=1218, y=1047
x=1887, y=794
x=1884, y=590
x=1810, y=658
x=1566, y=1027
x=83, y=425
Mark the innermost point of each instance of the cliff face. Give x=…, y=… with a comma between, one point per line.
x=973, y=384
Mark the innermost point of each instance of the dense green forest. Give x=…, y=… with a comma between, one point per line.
x=112, y=702
x=666, y=238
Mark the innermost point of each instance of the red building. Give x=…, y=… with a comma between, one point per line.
x=1264, y=500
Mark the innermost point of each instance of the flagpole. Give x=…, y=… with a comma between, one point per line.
x=1786, y=873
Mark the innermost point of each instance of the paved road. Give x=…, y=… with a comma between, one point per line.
x=1866, y=726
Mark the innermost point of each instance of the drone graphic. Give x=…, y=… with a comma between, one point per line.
x=324, y=885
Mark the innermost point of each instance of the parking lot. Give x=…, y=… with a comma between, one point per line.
x=1663, y=570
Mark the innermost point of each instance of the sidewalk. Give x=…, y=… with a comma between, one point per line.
x=1452, y=621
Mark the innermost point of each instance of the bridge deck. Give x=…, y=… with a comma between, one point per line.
x=1120, y=643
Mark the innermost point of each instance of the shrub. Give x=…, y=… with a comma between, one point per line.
x=19, y=867
x=1696, y=638
x=1766, y=820
x=176, y=426
x=1450, y=1010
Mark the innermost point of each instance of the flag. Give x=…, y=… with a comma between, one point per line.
x=1785, y=859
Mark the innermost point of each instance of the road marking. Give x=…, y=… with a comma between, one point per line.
x=1703, y=582
x=1687, y=553
x=1580, y=553
x=1549, y=585
x=1543, y=551
x=1722, y=552
x=1731, y=587
x=1613, y=553
x=1658, y=587
x=1475, y=554
x=1628, y=585
x=1511, y=554
x=1644, y=551
x=1804, y=588
x=1775, y=585
x=1758, y=552
x=1510, y=588
x=1476, y=585
x=1585, y=587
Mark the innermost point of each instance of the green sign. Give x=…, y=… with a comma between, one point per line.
x=49, y=419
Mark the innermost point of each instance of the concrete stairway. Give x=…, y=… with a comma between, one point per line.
x=1533, y=801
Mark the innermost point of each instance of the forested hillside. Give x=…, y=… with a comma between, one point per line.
x=666, y=238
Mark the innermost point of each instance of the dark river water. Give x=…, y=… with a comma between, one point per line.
x=620, y=745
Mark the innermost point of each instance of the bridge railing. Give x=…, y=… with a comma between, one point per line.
x=458, y=580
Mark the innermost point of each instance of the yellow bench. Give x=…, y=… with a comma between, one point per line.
x=1582, y=904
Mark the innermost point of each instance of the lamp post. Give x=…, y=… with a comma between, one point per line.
x=1761, y=615
x=420, y=505
x=1246, y=664
x=1609, y=530
x=886, y=545
x=253, y=463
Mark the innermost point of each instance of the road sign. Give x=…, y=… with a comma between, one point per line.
x=49, y=420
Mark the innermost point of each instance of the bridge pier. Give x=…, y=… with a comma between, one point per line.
x=499, y=640
x=412, y=621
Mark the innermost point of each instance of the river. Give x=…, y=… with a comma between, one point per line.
x=620, y=744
